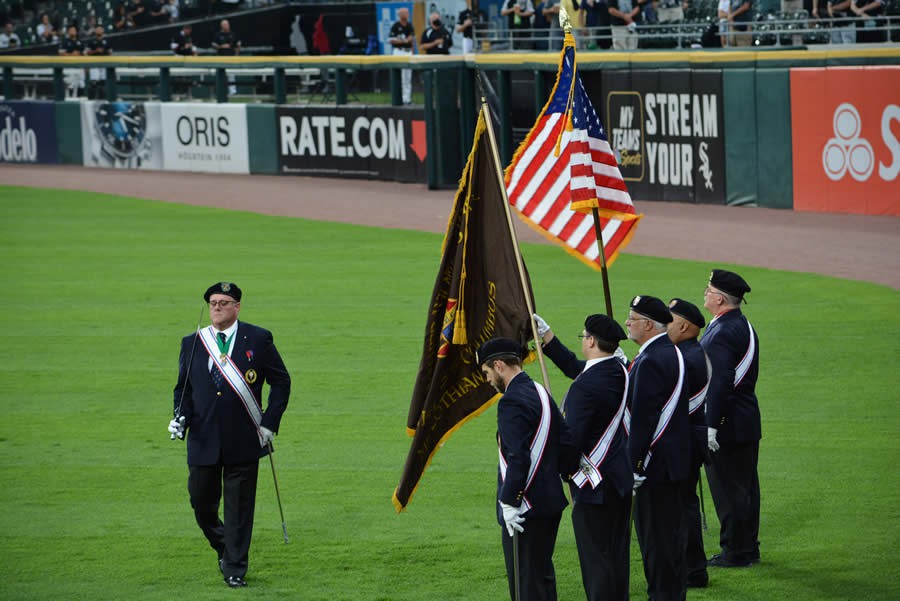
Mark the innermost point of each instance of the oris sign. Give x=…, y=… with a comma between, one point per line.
x=846, y=139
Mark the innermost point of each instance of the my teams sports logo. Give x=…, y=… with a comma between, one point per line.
x=849, y=152
x=626, y=132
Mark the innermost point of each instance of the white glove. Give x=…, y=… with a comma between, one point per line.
x=620, y=355
x=542, y=326
x=267, y=435
x=638, y=480
x=176, y=428
x=711, y=439
x=513, y=518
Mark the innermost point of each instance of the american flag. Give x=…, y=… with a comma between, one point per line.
x=565, y=168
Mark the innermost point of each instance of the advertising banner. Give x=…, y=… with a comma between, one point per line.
x=667, y=130
x=28, y=132
x=205, y=137
x=385, y=143
x=122, y=134
x=845, y=123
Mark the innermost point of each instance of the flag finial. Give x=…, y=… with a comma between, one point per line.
x=564, y=20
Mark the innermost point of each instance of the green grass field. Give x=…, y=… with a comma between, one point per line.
x=98, y=290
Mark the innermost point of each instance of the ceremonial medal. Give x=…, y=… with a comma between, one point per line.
x=250, y=376
x=223, y=359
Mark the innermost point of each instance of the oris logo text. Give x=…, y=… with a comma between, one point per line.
x=848, y=152
x=207, y=132
x=18, y=143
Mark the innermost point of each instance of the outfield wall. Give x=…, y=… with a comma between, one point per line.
x=753, y=130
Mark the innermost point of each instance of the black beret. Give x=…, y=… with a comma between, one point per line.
x=729, y=283
x=604, y=327
x=226, y=288
x=652, y=307
x=688, y=311
x=498, y=347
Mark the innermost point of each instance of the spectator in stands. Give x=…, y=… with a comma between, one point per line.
x=225, y=42
x=9, y=38
x=158, y=16
x=671, y=11
x=138, y=13
x=183, y=43
x=403, y=39
x=465, y=24
x=172, y=10
x=739, y=22
x=550, y=11
x=87, y=28
x=120, y=19
x=97, y=46
x=724, y=13
x=867, y=12
x=46, y=32
x=519, y=13
x=596, y=21
x=71, y=45
x=844, y=31
x=624, y=18
x=436, y=39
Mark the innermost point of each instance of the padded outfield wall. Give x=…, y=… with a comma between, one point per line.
x=808, y=130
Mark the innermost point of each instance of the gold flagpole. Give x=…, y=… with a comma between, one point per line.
x=512, y=232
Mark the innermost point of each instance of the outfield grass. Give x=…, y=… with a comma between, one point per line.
x=98, y=290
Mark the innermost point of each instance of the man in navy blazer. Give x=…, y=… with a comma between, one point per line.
x=687, y=321
x=534, y=449
x=732, y=414
x=594, y=409
x=658, y=448
x=217, y=403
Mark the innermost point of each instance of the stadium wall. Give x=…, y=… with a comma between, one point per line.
x=811, y=131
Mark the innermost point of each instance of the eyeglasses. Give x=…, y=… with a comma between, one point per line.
x=633, y=319
x=709, y=290
x=221, y=303
x=585, y=336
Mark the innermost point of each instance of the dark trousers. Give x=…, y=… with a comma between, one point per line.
x=734, y=484
x=603, y=538
x=537, y=578
x=660, y=526
x=207, y=484
x=696, y=554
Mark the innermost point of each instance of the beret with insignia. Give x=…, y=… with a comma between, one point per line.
x=688, y=311
x=604, y=328
x=652, y=307
x=227, y=288
x=498, y=347
x=729, y=283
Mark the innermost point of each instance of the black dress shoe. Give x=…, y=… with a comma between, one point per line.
x=698, y=580
x=719, y=561
x=235, y=582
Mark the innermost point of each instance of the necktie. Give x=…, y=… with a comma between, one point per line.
x=218, y=380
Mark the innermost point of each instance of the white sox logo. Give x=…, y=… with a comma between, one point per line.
x=704, y=169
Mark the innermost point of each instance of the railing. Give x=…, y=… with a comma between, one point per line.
x=796, y=29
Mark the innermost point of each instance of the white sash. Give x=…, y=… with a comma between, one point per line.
x=744, y=365
x=697, y=400
x=235, y=379
x=668, y=409
x=537, y=447
x=590, y=464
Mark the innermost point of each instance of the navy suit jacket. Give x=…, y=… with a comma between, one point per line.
x=652, y=380
x=734, y=412
x=518, y=417
x=589, y=407
x=219, y=428
x=695, y=379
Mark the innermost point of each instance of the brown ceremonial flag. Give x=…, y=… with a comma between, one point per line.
x=477, y=296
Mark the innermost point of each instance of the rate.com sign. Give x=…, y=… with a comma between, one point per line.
x=367, y=142
x=846, y=139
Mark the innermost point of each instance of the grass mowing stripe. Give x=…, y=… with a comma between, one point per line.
x=99, y=290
